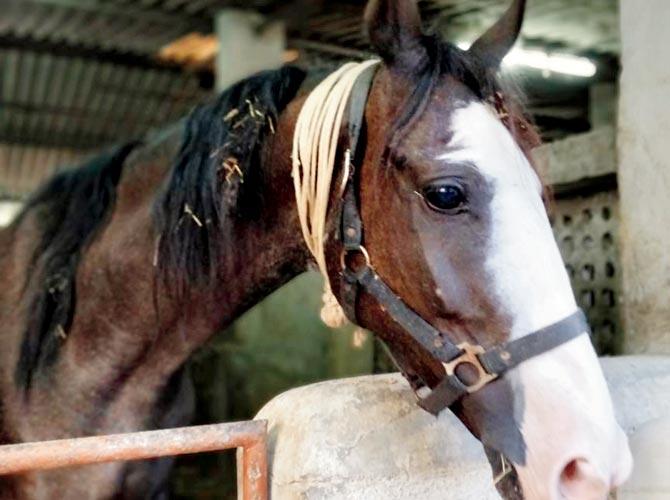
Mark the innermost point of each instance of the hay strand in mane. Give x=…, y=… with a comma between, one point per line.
x=216, y=176
x=315, y=145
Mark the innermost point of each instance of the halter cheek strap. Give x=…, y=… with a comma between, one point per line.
x=358, y=274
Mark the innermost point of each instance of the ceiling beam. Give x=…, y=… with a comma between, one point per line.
x=328, y=48
x=61, y=49
x=131, y=11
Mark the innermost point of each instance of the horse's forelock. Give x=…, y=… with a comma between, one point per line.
x=445, y=59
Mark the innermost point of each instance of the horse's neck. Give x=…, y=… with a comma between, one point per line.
x=128, y=339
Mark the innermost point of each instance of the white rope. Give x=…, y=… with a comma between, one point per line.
x=314, y=150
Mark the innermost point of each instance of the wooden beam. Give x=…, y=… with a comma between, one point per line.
x=588, y=155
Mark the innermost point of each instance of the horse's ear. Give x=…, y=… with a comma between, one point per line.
x=492, y=47
x=394, y=29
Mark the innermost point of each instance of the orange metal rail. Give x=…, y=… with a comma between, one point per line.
x=250, y=436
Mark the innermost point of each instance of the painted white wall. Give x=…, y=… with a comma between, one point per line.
x=246, y=45
x=8, y=210
x=644, y=173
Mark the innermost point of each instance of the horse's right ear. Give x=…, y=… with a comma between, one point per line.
x=394, y=30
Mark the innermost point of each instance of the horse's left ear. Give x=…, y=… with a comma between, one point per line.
x=394, y=30
x=492, y=47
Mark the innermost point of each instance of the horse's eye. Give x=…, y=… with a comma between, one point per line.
x=445, y=197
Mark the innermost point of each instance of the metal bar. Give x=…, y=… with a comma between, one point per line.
x=254, y=484
x=250, y=436
x=328, y=48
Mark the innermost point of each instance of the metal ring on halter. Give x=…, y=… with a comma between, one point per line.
x=470, y=356
x=346, y=173
x=353, y=251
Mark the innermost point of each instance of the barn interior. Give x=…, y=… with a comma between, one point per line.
x=78, y=76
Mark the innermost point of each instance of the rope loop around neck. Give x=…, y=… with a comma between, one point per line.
x=315, y=144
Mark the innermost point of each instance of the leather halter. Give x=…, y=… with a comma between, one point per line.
x=357, y=273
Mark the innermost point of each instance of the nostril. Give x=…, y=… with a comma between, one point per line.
x=579, y=480
x=570, y=472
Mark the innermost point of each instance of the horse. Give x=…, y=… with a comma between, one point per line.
x=116, y=272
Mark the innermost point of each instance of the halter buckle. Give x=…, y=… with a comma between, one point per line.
x=470, y=356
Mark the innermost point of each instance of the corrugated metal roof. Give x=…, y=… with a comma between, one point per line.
x=119, y=26
x=78, y=75
x=51, y=100
x=73, y=103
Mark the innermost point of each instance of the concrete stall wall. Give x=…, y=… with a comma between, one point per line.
x=585, y=219
x=644, y=173
x=366, y=439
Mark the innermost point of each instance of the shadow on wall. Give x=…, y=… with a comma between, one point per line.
x=278, y=345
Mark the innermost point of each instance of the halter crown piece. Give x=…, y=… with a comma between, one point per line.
x=315, y=145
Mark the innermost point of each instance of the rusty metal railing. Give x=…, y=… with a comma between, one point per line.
x=249, y=436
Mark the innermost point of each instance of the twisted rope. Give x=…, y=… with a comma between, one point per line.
x=315, y=144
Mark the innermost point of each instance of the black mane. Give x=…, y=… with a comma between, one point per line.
x=220, y=146
x=69, y=210
x=216, y=175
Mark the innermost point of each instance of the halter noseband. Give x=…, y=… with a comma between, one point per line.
x=357, y=273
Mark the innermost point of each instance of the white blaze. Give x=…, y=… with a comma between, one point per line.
x=567, y=411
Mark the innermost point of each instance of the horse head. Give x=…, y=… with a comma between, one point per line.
x=454, y=224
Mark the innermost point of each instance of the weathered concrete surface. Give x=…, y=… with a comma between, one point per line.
x=578, y=157
x=650, y=479
x=247, y=44
x=603, y=103
x=644, y=173
x=365, y=438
